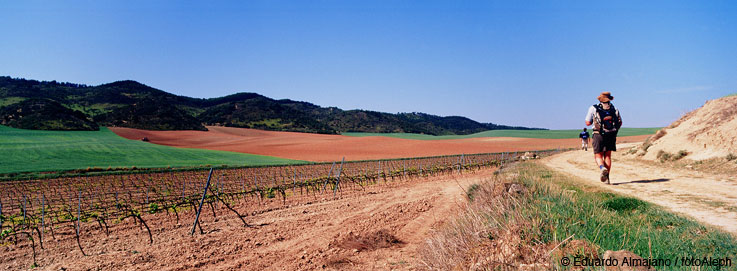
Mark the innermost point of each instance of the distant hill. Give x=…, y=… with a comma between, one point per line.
x=44, y=114
x=51, y=105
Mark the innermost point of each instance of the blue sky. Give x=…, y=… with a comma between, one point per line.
x=530, y=63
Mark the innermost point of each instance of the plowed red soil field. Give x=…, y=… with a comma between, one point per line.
x=379, y=228
x=321, y=148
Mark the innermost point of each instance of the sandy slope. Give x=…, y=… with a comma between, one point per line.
x=711, y=199
x=707, y=132
x=303, y=236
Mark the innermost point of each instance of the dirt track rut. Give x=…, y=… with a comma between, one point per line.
x=708, y=198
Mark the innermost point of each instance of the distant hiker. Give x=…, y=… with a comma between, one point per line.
x=584, y=139
x=606, y=121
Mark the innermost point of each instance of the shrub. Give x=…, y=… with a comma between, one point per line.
x=663, y=156
x=680, y=154
x=647, y=144
x=153, y=208
x=5, y=233
x=269, y=193
x=731, y=157
x=471, y=191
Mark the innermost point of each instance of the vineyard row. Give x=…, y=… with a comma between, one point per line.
x=29, y=209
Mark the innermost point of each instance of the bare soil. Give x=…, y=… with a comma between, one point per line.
x=376, y=229
x=322, y=148
x=707, y=197
x=705, y=133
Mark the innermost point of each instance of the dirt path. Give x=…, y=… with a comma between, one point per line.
x=711, y=199
x=307, y=236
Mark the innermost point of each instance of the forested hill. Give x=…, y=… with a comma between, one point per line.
x=44, y=105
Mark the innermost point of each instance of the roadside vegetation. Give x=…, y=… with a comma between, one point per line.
x=550, y=216
x=664, y=156
x=726, y=165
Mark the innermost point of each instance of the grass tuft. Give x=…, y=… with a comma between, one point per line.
x=471, y=191
x=621, y=204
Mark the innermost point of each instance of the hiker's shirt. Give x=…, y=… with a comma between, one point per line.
x=591, y=115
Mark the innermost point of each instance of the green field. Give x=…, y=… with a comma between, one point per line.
x=35, y=151
x=552, y=134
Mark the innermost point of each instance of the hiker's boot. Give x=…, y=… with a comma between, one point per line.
x=604, y=175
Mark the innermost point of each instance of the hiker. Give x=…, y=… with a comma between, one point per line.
x=584, y=139
x=606, y=121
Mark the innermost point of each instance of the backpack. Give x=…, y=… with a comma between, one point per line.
x=584, y=135
x=606, y=121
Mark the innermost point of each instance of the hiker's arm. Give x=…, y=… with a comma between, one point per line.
x=590, y=116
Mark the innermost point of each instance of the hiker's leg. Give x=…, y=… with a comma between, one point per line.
x=602, y=165
x=599, y=158
x=608, y=160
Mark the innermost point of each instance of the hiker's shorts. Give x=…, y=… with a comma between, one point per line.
x=604, y=143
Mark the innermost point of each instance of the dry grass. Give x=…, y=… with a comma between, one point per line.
x=340, y=262
x=658, y=135
x=645, y=146
x=371, y=241
x=721, y=166
x=725, y=114
x=490, y=234
x=664, y=156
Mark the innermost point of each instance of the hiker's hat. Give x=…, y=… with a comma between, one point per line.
x=605, y=97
